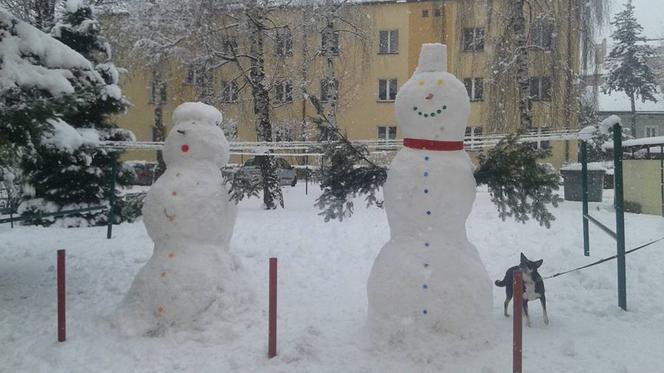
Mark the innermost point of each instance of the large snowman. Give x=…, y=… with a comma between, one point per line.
x=429, y=277
x=188, y=215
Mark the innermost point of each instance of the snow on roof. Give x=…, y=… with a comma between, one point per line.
x=32, y=58
x=618, y=101
x=657, y=140
x=592, y=166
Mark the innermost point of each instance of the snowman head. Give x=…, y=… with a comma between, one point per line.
x=433, y=104
x=196, y=137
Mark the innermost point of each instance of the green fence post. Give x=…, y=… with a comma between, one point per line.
x=584, y=197
x=111, y=199
x=620, y=214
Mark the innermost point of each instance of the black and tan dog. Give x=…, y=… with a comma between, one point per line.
x=533, y=286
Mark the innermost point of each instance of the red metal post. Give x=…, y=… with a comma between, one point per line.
x=272, y=332
x=61, y=296
x=517, y=347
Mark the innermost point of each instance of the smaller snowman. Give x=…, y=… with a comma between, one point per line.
x=188, y=215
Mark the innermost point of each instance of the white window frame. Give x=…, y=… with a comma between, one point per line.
x=334, y=43
x=391, y=45
x=478, y=41
x=474, y=83
x=648, y=129
x=283, y=92
x=229, y=92
x=538, y=80
x=543, y=144
x=389, y=133
x=325, y=90
x=283, y=42
x=473, y=134
x=389, y=84
x=158, y=95
x=542, y=34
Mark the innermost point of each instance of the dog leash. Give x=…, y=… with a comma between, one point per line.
x=605, y=259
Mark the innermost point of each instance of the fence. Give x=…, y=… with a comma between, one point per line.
x=313, y=148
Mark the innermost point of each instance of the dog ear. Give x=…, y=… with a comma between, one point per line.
x=539, y=263
x=523, y=258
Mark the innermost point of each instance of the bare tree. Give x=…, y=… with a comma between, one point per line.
x=39, y=13
x=521, y=30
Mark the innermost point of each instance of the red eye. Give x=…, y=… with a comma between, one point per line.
x=185, y=148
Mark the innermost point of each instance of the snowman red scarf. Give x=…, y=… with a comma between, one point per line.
x=443, y=146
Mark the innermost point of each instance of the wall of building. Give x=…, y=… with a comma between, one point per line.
x=643, y=184
x=359, y=68
x=643, y=120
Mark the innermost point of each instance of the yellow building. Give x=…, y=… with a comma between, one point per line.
x=373, y=63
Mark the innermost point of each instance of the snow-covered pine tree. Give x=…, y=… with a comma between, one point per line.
x=346, y=170
x=41, y=80
x=629, y=71
x=64, y=178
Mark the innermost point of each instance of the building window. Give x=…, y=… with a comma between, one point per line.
x=473, y=136
x=158, y=93
x=541, y=34
x=283, y=42
x=437, y=12
x=543, y=144
x=475, y=88
x=196, y=75
x=331, y=41
x=651, y=131
x=189, y=75
x=540, y=88
x=283, y=92
x=425, y=12
x=389, y=42
x=474, y=132
x=473, y=39
x=229, y=46
x=387, y=133
x=325, y=89
x=387, y=89
x=229, y=91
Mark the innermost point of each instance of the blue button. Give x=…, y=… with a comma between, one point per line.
x=426, y=173
x=424, y=312
x=426, y=244
x=425, y=286
x=426, y=191
x=428, y=212
x=426, y=158
x=426, y=265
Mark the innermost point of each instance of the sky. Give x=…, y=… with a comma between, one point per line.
x=649, y=14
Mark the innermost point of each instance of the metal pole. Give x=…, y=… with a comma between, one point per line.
x=584, y=197
x=517, y=342
x=272, y=311
x=61, y=296
x=306, y=176
x=620, y=214
x=661, y=179
x=111, y=199
x=11, y=207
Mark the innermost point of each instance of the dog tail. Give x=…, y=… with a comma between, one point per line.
x=500, y=283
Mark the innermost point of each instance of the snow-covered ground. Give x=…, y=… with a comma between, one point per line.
x=323, y=269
